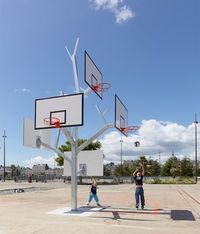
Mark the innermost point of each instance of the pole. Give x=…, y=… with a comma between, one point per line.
x=4, y=156
x=121, y=141
x=74, y=141
x=74, y=174
x=54, y=166
x=159, y=156
x=195, y=147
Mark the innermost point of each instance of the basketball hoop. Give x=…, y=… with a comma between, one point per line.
x=101, y=87
x=52, y=121
x=130, y=129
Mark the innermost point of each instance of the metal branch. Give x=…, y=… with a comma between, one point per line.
x=76, y=46
x=101, y=114
x=68, y=135
x=101, y=131
x=68, y=52
x=73, y=59
x=58, y=137
x=39, y=143
x=86, y=91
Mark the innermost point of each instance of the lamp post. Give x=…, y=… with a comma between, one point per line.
x=121, y=141
x=195, y=147
x=4, y=157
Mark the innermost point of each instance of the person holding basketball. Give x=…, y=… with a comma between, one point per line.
x=93, y=193
x=138, y=175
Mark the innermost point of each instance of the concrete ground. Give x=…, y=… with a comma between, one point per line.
x=169, y=209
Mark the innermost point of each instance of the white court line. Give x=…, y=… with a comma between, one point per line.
x=83, y=211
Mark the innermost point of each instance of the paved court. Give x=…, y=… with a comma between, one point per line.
x=44, y=208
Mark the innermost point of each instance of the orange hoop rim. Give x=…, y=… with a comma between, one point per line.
x=101, y=87
x=130, y=129
x=52, y=121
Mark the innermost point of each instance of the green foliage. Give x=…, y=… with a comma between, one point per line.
x=153, y=168
x=117, y=171
x=67, y=147
x=171, y=167
x=156, y=181
x=181, y=180
x=176, y=167
x=186, y=167
x=60, y=161
x=106, y=171
x=198, y=172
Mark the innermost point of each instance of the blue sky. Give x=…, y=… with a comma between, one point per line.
x=149, y=50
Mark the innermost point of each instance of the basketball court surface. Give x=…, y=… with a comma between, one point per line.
x=169, y=209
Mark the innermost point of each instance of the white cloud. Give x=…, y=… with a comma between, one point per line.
x=105, y=4
x=122, y=12
x=155, y=137
x=39, y=160
x=23, y=90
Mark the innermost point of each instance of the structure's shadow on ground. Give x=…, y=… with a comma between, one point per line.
x=118, y=214
x=182, y=215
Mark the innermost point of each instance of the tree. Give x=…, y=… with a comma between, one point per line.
x=173, y=172
x=106, y=170
x=153, y=168
x=126, y=170
x=67, y=147
x=129, y=167
x=117, y=171
x=172, y=162
x=198, y=172
x=186, y=167
x=13, y=169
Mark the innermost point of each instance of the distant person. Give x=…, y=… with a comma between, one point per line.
x=93, y=193
x=138, y=175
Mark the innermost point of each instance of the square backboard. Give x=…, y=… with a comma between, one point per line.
x=89, y=163
x=92, y=74
x=30, y=135
x=67, y=109
x=121, y=115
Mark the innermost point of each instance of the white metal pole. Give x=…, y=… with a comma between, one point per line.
x=74, y=135
x=74, y=177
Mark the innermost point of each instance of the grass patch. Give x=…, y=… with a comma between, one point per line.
x=180, y=180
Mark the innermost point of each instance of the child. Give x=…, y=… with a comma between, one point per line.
x=93, y=193
x=139, y=192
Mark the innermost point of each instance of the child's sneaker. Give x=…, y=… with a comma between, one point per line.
x=98, y=204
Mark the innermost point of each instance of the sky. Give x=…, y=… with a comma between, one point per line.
x=148, y=50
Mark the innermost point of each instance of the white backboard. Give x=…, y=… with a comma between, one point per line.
x=67, y=108
x=92, y=74
x=30, y=135
x=90, y=161
x=121, y=115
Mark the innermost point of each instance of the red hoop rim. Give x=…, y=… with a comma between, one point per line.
x=130, y=129
x=101, y=87
x=52, y=121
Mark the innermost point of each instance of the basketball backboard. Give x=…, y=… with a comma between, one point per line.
x=67, y=109
x=30, y=135
x=121, y=115
x=92, y=74
x=89, y=163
